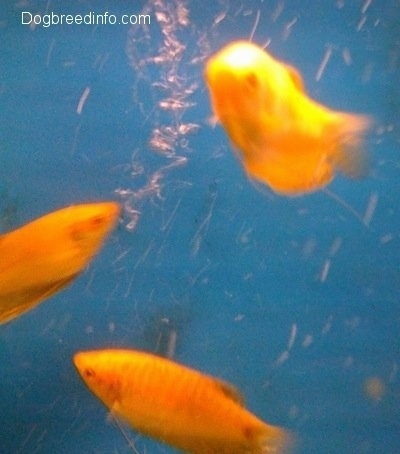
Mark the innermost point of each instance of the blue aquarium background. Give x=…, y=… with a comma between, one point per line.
x=293, y=300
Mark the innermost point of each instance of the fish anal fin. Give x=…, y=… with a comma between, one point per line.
x=14, y=312
x=21, y=302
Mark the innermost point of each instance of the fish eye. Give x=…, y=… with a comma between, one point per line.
x=79, y=231
x=89, y=372
x=97, y=220
x=251, y=80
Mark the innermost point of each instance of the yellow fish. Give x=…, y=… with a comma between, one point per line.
x=45, y=255
x=182, y=407
x=286, y=140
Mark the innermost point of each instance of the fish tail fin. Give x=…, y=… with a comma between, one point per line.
x=274, y=440
x=349, y=156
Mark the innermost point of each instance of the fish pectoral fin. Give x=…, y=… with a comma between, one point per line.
x=114, y=414
x=229, y=391
x=37, y=294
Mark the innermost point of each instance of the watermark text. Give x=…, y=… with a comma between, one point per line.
x=91, y=18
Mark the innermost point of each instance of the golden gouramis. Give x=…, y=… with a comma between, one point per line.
x=284, y=139
x=182, y=407
x=45, y=255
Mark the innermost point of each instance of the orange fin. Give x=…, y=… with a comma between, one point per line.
x=31, y=298
x=349, y=156
x=296, y=77
x=274, y=440
x=45, y=291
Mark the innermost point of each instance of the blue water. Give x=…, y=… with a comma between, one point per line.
x=239, y=274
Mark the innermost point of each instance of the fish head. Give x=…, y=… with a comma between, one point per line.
x=243, y=77
x=96, y=369
x=90, y=224
x=233, y=80
x=241, y=94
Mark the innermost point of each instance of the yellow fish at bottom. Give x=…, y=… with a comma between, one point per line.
x=285, y=139
x=182, y=407
x=45, y=255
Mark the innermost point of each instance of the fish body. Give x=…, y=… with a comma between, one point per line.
x=182, y=407
x=45, y=255
x=284, y=138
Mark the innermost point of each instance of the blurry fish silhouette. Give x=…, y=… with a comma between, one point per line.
x=45, y=255
x=286, y=140
x=189, y=410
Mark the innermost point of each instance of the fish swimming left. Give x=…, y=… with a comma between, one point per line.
x=47, y=254
x=191, y=411
x=284, y=138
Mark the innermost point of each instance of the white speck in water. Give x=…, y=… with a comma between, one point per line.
x=369, y=212
x=111, y=327
x=361, y=24
x=309, y=247
x=347, y=56
x=337, y=242
x=89, y=329
x=282, y=358
x=325, y=270
x=349, y=361
x=365, y=6
x=328, y=325
x=277, y=12
x=83, y=99
x=324, y=62
x=288, y=28
x=292, y=338
x=386, y=238
x=171, y=347
x=308, y=340
x=253, y=30
x=393, y=372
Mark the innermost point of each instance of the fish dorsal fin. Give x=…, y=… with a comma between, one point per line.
x=230, y=391
x=296, y=77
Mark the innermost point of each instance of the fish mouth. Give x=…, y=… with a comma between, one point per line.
x=109, y=211
x=113, y=210
x=79, y=360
